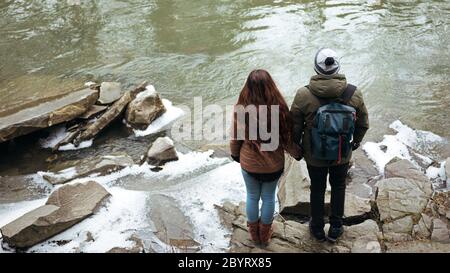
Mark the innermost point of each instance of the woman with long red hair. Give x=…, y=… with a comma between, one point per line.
x=261, y=167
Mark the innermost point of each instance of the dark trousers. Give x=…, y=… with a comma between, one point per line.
x=337, y=178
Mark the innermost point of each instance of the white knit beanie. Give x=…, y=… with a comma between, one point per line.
x=326, y=62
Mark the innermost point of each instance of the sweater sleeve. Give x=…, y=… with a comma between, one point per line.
x=298, y=119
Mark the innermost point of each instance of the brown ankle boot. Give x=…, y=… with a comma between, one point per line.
x=265, y=233
x=253, y=229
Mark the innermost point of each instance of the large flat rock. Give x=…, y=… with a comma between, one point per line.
x=65, y=207
x=47, y=113
x=172, y=226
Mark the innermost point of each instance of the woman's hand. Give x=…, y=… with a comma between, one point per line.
x=236, y=158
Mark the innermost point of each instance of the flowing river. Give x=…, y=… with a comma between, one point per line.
x=396, y=52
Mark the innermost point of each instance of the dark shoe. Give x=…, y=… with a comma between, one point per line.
x=253, y=229
x=334, y=233
x=318, y=234
x=265, y=233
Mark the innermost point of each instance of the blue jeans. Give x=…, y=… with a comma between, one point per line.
x=257, y=190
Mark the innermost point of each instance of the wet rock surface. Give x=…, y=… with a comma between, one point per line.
x=65, y=207
x=49, y=112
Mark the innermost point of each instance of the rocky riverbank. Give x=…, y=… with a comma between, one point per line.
x=166, y=197
x=405, y=215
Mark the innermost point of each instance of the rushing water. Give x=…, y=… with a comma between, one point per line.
x=397, y=52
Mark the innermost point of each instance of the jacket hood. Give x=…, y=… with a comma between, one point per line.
x=331, y=86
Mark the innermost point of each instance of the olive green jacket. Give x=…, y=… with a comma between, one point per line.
x=305, y=105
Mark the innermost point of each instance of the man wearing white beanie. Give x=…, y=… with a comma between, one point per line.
x=330, y=121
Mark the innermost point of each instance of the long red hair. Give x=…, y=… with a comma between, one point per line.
x=260, y=89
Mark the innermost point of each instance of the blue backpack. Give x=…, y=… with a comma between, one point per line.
x=333, y=127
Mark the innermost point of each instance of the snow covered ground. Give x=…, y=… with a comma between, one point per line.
x=125, y=212
x=410, y=144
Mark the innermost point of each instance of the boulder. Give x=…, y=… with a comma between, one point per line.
x=46, y=113
x=65, y=207
x=399, y=197
x=440, y=231
x=109, y=92
x=171, y=225
x=405, y=169
x=73, y=169
x=161, y=151
x=292, y=236
x=144, y=109
x=20, y=188
x=294, y=195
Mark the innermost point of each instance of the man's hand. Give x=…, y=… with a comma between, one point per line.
x=355, y=145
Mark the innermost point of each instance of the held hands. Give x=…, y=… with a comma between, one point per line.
x=355, y=145
x=236, y=158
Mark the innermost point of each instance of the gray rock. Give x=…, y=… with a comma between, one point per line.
x=65, y=207
x=398, y=197
x=46, y=113
x=102, y=165
x=161, y=151
x=144, y=109
x=405, y=169
x=293, y=190
x=91, y=130
x=440, y=231
x=109, y=92
x=172, y=226
x=294, y=194
x=422, y=230
x=398, y=230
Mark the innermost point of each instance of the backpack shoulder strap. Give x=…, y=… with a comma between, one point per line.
x=322, y=101
x=348, y=93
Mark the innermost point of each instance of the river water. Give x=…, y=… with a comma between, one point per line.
x=396, y=52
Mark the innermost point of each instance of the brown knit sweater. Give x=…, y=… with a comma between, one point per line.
x=255, y=161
